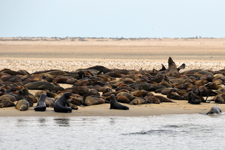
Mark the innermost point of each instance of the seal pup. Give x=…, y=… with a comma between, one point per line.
x=214, y=110
x=41, y=105
x=115, y=105
x=62, y=105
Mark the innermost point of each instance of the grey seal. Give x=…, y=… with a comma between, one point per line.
x=214, y=110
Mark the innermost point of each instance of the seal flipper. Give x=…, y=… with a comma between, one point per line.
x=90, y=82
x=84, y=98
x=163, y=68
x=181, y=67
x=100, y=72
x=171, y=64
x=68, y=106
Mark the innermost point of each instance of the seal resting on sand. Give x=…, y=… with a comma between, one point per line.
x=41, y=105
x=115, y=105
x=62, y=105
x=41, y=85
x=214, y=110
x=22, y=105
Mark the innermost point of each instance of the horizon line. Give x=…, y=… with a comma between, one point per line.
x=72, y=37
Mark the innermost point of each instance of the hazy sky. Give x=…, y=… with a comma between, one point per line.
x=112, y=18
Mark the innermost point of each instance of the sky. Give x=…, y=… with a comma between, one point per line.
x=112, y=18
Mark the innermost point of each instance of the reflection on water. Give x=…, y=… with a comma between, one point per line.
x=155, y=132
x=21, y=122
x=64, y=122
x=152, y=132
x=42, y=121
x=112, y=121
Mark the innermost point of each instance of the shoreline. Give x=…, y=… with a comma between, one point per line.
x=144, y=110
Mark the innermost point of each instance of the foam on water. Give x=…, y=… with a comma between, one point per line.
x=154, y=132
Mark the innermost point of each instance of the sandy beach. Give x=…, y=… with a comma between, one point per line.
x=71, y=54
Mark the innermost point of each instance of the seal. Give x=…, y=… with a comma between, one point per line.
x=41, y=85
x=214, y=110
x=92, y=100
x=115, y=105
x=173, y=70
x=122, y=99
x=22, y=105
x=193, y=98
x=127, y=95
x=41, y=105
x=138, y=101
x=6, y=103
x=8, y=97
x=62, y=105
x=21, y=95
x=49, y=102
x=139, y=93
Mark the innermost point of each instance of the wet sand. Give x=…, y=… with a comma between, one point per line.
x=147, y=54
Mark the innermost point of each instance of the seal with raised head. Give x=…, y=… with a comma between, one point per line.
x=115, y=105
x=62, y=105
x=41, y=105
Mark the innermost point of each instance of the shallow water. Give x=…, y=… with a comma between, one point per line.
x=173, y=132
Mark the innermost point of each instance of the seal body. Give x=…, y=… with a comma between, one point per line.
x=115, y=105
x=193, y=99
x=214, y=110
x=22, y=105
x=62, y=105
x=41, y=105
x=49, y=102
x=41, y=85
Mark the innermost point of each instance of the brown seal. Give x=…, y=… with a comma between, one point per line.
x=92, y=100
x=41, y=85
x=6, y=103
x=22, y=105
x=138, y=101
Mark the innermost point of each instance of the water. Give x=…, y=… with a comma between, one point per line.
x=170, y=132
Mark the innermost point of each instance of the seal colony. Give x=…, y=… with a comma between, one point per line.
x=99, y=85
